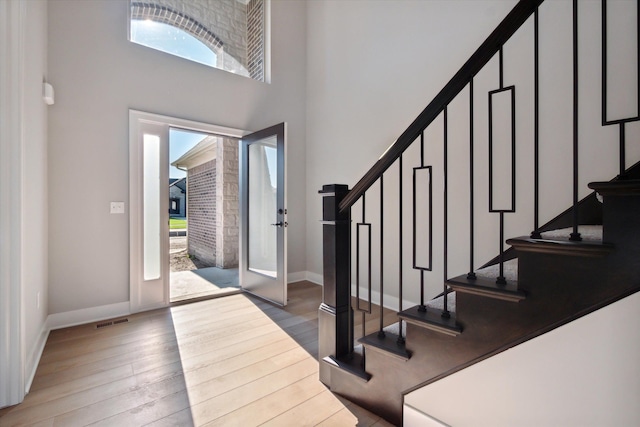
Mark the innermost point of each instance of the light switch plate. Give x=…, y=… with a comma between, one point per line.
x=117, y=207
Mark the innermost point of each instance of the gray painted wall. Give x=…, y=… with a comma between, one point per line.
x=374, y=66
x=99, y=75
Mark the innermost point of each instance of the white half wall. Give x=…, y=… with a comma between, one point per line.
x=99, y=75
x=585, y=373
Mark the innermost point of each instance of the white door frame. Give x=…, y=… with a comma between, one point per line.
x=12, y=345
x=138, y=120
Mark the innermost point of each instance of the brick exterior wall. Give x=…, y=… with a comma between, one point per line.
x=220, y=24
x=255, y=39
x=233, y=30
x=201, y=208
x=227, y=197
x=166, y=13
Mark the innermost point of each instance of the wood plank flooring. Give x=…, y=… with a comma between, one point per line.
x=228, y=361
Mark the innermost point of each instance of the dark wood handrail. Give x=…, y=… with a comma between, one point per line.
x=503, y=32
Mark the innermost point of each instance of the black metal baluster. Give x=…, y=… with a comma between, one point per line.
x=430, y=219
x=422, y=149
x=575, y=235
x=621, y=121
x=445, y=310
x=501, y=67
x=429, y=267
x=501, y=280
x=351, y=317
x=471, y=275
x=400, y=243
x=623, y=160
x=381, y=333
x=363, y=311
x=364, y=204
x=603, y=86
x=422, y=306
x=535, y=234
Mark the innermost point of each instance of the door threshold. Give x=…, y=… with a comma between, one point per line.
x=186, y=299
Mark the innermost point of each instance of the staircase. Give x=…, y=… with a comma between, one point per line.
x=585, y=258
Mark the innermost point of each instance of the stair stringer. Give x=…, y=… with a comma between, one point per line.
x=574, y=375
x=490, y=327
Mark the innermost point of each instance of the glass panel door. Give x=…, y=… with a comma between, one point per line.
x=263, y=214
x=262, y=207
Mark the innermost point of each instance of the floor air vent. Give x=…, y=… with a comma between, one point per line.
x=111, y=322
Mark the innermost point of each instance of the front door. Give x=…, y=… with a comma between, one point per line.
x=149, y=203
x=263, y=214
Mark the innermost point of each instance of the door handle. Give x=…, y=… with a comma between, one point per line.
x=281, y=224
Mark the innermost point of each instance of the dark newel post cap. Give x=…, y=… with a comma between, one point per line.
x=334, y=188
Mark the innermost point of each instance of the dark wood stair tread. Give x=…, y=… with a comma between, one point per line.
x=561, y=247
x=387, y=343
x=487, y=287
x=431, y=319
x=588, y=233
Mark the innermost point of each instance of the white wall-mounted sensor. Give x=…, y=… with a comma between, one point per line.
x=47, y=93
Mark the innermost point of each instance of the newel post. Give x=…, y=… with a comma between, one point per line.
x=334, y=314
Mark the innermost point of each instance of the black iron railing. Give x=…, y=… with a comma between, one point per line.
x=512, y=22
x=423, y=172
x=621, y=121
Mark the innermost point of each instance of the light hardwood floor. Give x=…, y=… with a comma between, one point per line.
x=232, y=361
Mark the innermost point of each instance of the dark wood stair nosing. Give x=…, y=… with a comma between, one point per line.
x=387, y=344
x=623, y=187
x=561, y=247
x=431, y=319
x=488, y=288
x=353, y=364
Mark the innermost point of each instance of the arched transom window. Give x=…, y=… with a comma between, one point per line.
x=227, y=34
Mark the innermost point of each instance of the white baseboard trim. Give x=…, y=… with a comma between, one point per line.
x=64, y=320
x=299, y=276
x=87, y=315
x=390, y=302
x=93, y=314
x=34, y=356
x=315, y=278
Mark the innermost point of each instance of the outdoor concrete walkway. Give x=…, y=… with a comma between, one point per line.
x=178, y=232
x=203, y=283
